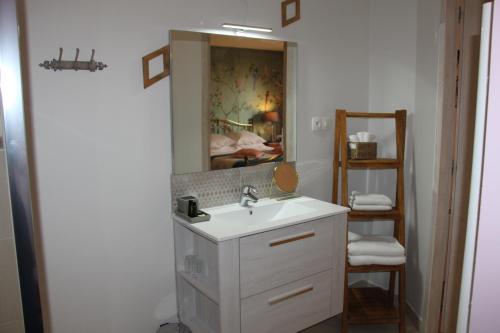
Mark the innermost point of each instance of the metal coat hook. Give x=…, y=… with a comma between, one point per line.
x=75, y=65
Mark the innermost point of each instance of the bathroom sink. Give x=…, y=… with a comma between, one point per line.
x=232, y=221
x=262, y=212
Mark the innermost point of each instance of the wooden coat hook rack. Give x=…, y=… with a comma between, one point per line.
x=76, y=65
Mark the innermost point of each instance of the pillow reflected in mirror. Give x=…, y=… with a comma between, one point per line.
x=218, y=141
x=246, y=138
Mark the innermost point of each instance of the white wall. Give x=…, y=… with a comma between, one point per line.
x=420, y=227
x=403, y=75
x=102, y=142
x=393, y=26
x=332, y=74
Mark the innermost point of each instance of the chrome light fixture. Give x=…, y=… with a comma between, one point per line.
x=245, y=27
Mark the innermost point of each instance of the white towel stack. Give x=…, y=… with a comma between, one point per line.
x=374, y=250
x=377, y=202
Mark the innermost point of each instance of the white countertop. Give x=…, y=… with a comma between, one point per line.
x=233, y=221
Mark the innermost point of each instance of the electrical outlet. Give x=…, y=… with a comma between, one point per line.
x=316, y=124
x=325, y=123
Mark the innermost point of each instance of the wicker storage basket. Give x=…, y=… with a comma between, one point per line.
x=362, y=150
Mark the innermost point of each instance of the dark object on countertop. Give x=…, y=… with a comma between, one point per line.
x=187, y=205
x=187, y=208
x=193, y=208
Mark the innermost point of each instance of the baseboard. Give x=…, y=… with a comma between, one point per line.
x=414, y=317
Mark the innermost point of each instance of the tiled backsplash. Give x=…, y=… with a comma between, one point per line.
x=220, y=187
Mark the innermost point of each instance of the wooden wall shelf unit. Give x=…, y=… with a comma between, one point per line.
x=372, y=305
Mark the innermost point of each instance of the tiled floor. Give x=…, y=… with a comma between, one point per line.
x=333, y=326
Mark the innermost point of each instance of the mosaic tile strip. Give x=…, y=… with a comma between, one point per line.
x=212, y=188
x=222, y=187
x=260, y=177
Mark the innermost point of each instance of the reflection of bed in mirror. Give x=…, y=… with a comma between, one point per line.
x=233, y=101
x=234, y=145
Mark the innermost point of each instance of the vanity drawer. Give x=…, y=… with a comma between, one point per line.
x=277, y=257
x=289, y=308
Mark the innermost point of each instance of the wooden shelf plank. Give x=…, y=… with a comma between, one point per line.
x=371, y=306
x=363, y=215
x=380, y=163
x=373, y=268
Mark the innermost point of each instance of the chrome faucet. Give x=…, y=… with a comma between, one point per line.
x=248, y=193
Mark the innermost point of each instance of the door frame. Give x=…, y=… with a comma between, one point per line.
x=458, y=66
x=17, y=148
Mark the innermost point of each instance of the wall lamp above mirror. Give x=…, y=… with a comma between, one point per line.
x=239, y=27
x=233, y=101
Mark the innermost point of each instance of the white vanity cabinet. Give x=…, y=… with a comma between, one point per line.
x=283, y=279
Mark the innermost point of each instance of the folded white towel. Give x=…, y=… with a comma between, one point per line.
x=376, y=260
x=369, y=199
x=370, y=207
x=376, y=245
x=365, y=137
x=352, y=236
x=353, y=138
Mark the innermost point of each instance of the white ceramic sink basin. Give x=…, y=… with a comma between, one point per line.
x=263, y=212
x=232, y=221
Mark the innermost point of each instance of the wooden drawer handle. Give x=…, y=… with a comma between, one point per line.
x=290, y=294
x=294, y=238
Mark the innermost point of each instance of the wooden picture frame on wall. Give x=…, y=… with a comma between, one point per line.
x=165, y=53
x=285, y=20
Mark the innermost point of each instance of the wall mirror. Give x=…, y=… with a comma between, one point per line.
x=233, y=101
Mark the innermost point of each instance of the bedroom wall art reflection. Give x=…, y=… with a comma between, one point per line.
x=233, y=101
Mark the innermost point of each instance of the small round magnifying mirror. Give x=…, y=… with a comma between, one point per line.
x=286, y=178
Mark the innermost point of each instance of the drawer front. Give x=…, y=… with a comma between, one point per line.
x=289, y=308
x=277, y=257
